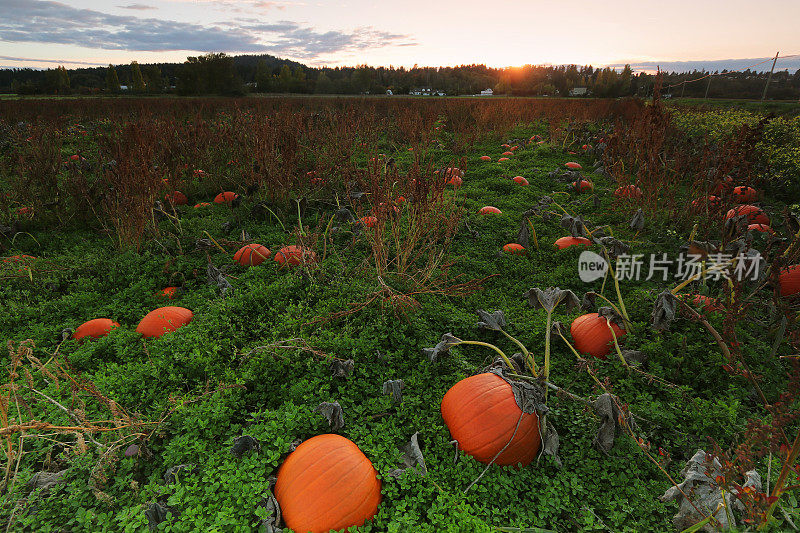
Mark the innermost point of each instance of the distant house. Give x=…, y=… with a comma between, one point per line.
x=426, y=91
x=487, y=92
x=579, y=91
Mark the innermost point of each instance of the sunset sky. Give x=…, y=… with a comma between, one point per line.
x=41, y=34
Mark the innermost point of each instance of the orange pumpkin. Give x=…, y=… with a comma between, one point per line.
x=169, y=292
x=252, y=255
x=177, y=198
x=164, y=320
x=481, y=414
x=705, y=303
x=508, y=153
x=789, y=280
x=225, y=197
x=744, y=195
x=592, y=335
x=573, y=165
x=754, y=214
x=485, y=158
x=519, y=180
x=99, y=327
x=489, y=210
x=455, y=181
x=503, y=159
x=369, y=221
x=294, y=255
x=629, y=191
x=566, y=242
x=514, y=249
x=327, y=483
x=202, y=204
x=583, y=185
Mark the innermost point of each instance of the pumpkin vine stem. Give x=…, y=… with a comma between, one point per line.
x=628, y=324
x=528, y=356
x=616, y=345
x=488, y=345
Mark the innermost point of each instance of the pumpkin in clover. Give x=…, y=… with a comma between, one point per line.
x=592, y=335
x=573, y=165
x=485, y=158
x=164, y=320
x=519, y=180
x=754, y=214
x=252, y=255
x=226, y=197
x=490, y=210
x=503, y=159
x=170, y=292
x=583, y=185
x=566, y=242
x=507, y=153
x=96, y=328
x=294, y=255
x=514, y=249
x=482, y=414
x=789, y=280
x=327, y=483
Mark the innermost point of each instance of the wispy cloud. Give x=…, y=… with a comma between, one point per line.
x=40, y=21
x=137, y=7
x=58, y=61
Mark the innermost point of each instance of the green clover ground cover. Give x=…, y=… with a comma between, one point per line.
x=281, y=388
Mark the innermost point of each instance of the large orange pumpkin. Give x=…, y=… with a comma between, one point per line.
x=754, y=214
x=520, y=180
x=485, y=158
x=252, y=255
x=573, y=166
x=294, y=255
x=789, y=280
x=164, y=320
x=481, y=414
x=592, y=335
x=225, y=197
x=99, y=327
x=170, y=292
x=566, y=242
x=489, y=210
x=327, y=483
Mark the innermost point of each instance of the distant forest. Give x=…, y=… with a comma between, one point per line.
x=221, y=74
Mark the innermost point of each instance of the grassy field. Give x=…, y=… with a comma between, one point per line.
x=259, y=357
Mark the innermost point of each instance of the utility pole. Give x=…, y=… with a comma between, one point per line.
x=708, y=86
x=683, y=88
x=769, y=78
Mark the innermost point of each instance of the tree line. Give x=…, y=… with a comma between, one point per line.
x=221, y=74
